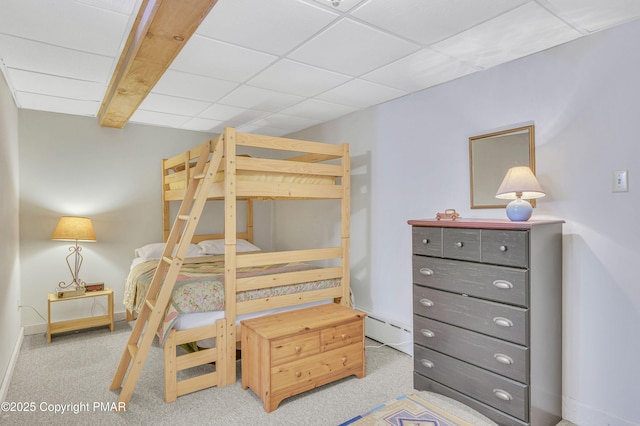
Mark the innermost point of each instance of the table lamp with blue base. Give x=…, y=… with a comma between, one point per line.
x=519, y=185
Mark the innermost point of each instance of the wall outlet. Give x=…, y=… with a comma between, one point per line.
x=620, y=181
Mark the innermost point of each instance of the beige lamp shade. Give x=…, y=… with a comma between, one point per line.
x=520, y=182
x=71, y=228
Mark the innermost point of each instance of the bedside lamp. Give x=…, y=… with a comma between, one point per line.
x=519, y=185
x=74, y=229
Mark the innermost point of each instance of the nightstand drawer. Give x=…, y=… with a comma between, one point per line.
x=507, y=359
x=461, y=243
x=506, y=395
x=499, y=283
x=494, y=319
x=509, y=248
x=427, y=241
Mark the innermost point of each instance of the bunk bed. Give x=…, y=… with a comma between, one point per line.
x=247, y=283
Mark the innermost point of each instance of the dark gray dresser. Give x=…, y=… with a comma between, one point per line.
x=487, y=302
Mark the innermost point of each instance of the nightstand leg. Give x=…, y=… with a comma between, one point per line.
x=49, y=321
x=110, y=307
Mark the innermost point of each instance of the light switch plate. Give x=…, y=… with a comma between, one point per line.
x=620, y=181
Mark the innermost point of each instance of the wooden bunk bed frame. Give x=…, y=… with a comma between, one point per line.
x=331, y=162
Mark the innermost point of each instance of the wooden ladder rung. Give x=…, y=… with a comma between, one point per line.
x=168, y=260
x=199, y=176
x=184, y=217
x=133, y=350
x=150, y=304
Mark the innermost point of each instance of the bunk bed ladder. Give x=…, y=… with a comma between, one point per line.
x=164, y=279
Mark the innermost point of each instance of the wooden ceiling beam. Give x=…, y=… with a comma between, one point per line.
x=161, y=30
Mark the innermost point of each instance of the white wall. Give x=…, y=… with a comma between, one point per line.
x=70, y=165
x=411, y=161
x=10, y=329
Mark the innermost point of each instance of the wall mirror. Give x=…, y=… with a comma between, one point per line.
x=491, y=155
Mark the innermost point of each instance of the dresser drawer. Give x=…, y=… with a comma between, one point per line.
x=509, y=248
x=341, y=335
x=289, y=348
x=496, y=355
x=461, y=243
x=506, y=395
x=494, y=319
x=427, y=241
x=499, y=283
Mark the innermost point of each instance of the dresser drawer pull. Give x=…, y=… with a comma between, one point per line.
x=427, y=363
x=503, y=359
x=425, y=241
x=502, y=394
x=459, y=244
x=344, y=360
x=427, y=333
x=503, y=248
x=503, y=322
x=426, y=272
x=502, y=284
x=298, y=374
x=426, y=302
x=298, y=349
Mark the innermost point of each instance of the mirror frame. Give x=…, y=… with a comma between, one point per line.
x=475, y=169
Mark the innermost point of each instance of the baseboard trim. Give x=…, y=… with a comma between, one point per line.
x=583, y=415
x=6, y=381
x=390, y=332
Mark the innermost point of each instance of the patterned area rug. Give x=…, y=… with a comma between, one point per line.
x=407, y=410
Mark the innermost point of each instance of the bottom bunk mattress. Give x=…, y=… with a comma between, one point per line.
x=200, y=287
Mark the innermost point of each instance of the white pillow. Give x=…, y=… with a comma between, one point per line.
x=213, y=247
x=154, y=251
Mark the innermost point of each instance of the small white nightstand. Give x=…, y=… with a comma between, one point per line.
x=80, y=323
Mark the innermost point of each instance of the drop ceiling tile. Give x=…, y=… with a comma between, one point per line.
x=420, y=70
x=126, y=7
x=259, y=99
x=286, y=22
x=201, y=124
x=434, y=20
x=158, y=118
x=193, y=86
x=28, y=55
x=339, y=5
x=595, y=15
x=229, y=113
x=68, y=24
x=318, y=110
x=288, y=122
x=352, y=48
x=56, y=104
x=173, y=105
x=26, y=81
x=297, y=79
x=521, y=32
x=222, y=61
x=262, y=130
x=360, y=94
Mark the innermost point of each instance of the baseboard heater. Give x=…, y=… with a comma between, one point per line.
x=392, y=333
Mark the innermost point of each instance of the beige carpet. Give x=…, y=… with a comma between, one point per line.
x=74, y=372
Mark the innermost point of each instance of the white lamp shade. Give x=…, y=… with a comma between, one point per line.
x=520, y=182
x=74, y=229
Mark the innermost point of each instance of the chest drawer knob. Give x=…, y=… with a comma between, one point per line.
x=425, y=241
x=502, y=284
x=344, y=360
x=298, y=374
x=298, y=349
x=427, y=363
x=503, y=359
x=503, y=322
x=427, y=333
x=426, y=302
x=503, y=248
x=459, y=244
x=426, y=272
x=502, y=394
